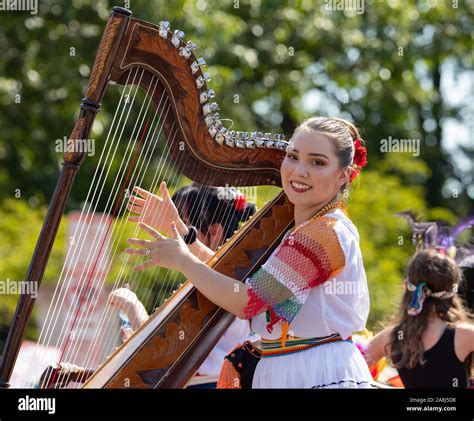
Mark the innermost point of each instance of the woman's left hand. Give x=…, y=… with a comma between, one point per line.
x=166, y=252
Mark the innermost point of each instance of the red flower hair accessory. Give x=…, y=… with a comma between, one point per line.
x=240, y=202
x=360, y=159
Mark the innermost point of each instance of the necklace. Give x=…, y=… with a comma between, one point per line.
x=325, y=209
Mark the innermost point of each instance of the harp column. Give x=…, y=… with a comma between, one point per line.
x=90, y=105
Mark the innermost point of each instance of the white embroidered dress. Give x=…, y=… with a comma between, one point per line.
x=340, y=304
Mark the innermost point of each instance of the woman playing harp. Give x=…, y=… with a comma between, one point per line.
x=157, y=61
x=294, y=300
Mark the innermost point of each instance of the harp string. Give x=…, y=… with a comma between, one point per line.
x=118, y=237
x=96, y=279
x=49, y=327
x=82, y=236
x=121, y=279
x=98, y=334
x=39, y=352
x=169, y=280
x=89, y=203
x=83, y=291
x=113, y=256
x=84, y=309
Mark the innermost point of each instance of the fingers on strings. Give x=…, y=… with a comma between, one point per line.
x=155, y=234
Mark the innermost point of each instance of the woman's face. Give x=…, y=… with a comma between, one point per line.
x=310, y=172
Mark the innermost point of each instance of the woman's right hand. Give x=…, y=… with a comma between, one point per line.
x=155, y=211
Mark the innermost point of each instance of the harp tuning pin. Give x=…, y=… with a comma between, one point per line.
x=216, y=116
x=212, y=131
x=185, y=52
x=229, y=139
x=187, y=49
x=191, y=45
x=201, y=61
x=267, y=136
x=280, y=142
x=240, y=144
x=258, y=140
x=250, y=144
x=200, y=82
x=269, y=143
x=282, y=145
x=194, y=67
x=220, y=137
x=260, y=143
x=176, y=38
x=204, y=96
x=209, y=120
x=164, y=27
x=208, y=108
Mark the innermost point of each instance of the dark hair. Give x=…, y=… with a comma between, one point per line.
x=439, y=272
x=206, y=205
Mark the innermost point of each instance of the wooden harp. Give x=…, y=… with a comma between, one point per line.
x=156, y=60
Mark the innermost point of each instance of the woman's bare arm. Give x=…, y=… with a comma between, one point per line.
x=200, y=250
x=376, y=348
x=222, y=290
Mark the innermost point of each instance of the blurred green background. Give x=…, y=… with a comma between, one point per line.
x=401, y=69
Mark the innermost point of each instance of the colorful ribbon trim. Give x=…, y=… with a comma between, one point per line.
x=274, y=348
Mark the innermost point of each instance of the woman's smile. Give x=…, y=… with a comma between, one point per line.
x=300, y=187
